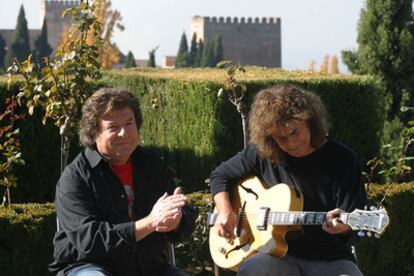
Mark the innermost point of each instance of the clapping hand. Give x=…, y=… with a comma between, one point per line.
x=166, y=213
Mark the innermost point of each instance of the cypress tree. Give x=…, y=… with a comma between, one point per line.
x=20, y=47
x=333, y=66
x=207, y=59
x=2, y=52
x=324, y=65
x=385, y=48
x=151, y=60
x=200, y=48
x=130, y=60
x=42, y=47
x=182, y=56
x=204, y=55
x=192, y=59
x=217, y=50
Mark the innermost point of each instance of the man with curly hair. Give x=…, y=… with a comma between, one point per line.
x=289, y=144
x=116, y=203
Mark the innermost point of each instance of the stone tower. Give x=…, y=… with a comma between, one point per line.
x=52, y=10
x=248, y=42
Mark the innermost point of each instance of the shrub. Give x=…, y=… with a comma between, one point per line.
x=393, y=253
x=195, y=130
x=26, y=239
x=27, y=231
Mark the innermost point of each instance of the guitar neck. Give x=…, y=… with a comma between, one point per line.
x=301, y=218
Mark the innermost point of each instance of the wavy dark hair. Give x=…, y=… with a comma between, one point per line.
x=279, y=105
x=100, y=103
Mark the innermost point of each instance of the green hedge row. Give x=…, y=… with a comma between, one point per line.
x=40, y=150
x=194, y=129
x=393, y=253
x=27, y=232
x=197, y=130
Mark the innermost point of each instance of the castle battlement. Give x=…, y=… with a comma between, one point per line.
x=69, y=3
x=236, y=20
x=245, y=40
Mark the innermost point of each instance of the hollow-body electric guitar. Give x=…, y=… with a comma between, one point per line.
x=264, y=217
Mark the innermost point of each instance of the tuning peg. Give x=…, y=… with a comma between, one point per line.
x=369, y=234
x=377, y=235
x=373, y=208
x=361, y=234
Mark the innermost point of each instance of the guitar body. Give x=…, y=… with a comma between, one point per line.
x=253, y=195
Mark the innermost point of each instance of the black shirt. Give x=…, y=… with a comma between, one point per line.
x=95, y=227
x=328, y=178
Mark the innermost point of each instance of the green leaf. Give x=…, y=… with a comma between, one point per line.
x=31, y=109
x=67, y=11
x=244, y=87
x=36, y=99
x=224, y=63
x=231, y=71
x=408, y=158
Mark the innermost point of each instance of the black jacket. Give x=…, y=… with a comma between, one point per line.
x=329, y=178
x=92, y=210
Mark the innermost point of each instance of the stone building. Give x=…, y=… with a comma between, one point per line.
x=8, y=34
x=245, y=41
x=168, y=62
x=51, y=10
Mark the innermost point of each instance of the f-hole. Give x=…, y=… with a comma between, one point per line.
x=250, y=191
x=237, y=248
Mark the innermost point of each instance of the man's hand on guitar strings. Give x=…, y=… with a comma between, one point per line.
x=226, y=218
x=225, y=224
x=333, y=225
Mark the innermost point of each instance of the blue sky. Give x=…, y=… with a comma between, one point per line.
x=310, y=28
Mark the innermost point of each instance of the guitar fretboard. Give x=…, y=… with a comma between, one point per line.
x=300, y=218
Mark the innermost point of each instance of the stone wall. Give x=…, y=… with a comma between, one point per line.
x=52, y=10
x=8, y=35
x=246, y=41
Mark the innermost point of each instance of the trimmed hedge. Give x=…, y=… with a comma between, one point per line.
x=393, y=253
x=40, y=151
x=27, y=232
x=195, y=130
x=40, y=147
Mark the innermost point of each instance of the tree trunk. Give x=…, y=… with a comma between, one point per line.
x=6, y=198
x=65, y=141
x=66, y=135
x=245, y=131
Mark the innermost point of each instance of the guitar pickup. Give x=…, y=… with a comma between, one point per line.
x=262, y=218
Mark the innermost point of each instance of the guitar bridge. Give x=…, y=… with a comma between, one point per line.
x=262, y=218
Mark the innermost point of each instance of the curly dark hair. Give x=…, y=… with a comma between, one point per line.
x=100, y=103
x=279, y=105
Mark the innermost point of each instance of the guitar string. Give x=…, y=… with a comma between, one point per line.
x=283, y=218
x=250, y=214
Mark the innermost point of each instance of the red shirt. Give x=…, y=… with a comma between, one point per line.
x=125, y=175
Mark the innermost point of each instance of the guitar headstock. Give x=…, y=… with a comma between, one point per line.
x=375, y=221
